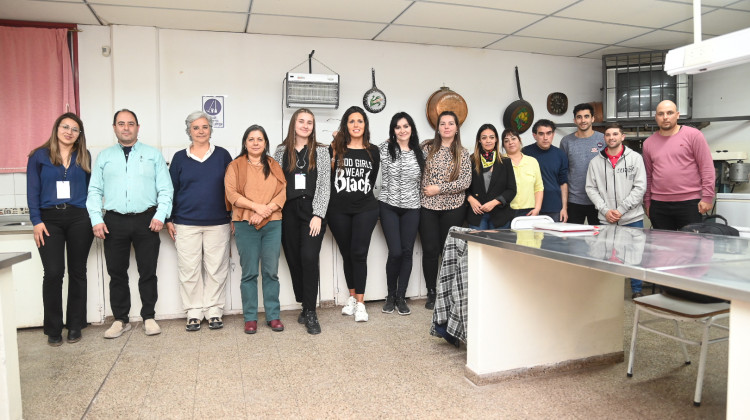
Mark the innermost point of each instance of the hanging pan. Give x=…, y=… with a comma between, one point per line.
x=519, y=115
x=374, y=99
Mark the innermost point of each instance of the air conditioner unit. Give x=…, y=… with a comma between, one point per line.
x=716, y=53
x=312, y=90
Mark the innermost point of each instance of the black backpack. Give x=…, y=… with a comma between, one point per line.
x=712, y=227
x=703, y=227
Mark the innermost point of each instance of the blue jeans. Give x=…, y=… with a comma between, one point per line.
x=259, y=246
x=484, y=224
x=636, y=285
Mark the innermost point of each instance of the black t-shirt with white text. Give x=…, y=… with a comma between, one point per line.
x=353, y=183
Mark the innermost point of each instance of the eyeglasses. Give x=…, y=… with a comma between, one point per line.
x=66, y=127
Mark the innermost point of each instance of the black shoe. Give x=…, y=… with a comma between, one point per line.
x=215, y=323
x=193, y=324
x=430, y=304
x=54, y=340
x=390, y=303
x=74, y=336
x=302, y=316
x=311, y=323
x=403, y=309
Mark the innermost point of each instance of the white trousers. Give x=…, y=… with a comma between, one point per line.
x=203, y=268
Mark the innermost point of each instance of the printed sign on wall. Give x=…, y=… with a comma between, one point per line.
x=214, y=106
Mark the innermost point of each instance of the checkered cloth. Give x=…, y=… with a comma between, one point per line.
x=452, y=298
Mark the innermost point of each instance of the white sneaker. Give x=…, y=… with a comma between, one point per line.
x=117, y=329
x=151, y=327
x=349, y=306
x=360, y=314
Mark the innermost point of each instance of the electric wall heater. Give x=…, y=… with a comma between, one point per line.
x=312, y=90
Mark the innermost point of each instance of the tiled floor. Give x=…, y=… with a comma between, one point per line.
x=389, y=367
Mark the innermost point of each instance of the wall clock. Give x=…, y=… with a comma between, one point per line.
x=557, y=103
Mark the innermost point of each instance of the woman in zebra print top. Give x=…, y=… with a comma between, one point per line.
x=402, y=164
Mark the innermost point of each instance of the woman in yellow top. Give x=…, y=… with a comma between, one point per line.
x=529, y=186
x=256, y=190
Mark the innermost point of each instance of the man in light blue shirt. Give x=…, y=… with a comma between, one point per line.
x=130, y=180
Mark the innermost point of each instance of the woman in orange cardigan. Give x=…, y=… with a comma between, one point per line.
x=256, y=190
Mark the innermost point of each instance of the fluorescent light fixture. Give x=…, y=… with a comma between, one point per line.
x=716, y=53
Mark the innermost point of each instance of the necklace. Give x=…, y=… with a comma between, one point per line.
x=254, y=163
x=304, y=159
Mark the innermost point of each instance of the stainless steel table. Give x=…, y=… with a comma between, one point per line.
x=554, y=301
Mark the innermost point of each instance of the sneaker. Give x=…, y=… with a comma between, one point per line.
x=117, y=329
x=311, y=323
x=302, y=316
x=193, y=324
x=403, y=309
x=360, y=314
x=430, y=304
x=151, y=327
x=215, y=323
x=349, y=307
x=390, y=303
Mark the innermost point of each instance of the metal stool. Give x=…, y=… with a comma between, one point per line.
x=667, y=308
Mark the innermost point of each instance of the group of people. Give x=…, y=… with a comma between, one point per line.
x=286, y=200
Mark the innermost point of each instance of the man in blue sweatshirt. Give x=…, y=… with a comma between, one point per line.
x=554, y=166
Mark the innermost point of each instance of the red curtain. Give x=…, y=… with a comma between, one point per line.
x=37, y=78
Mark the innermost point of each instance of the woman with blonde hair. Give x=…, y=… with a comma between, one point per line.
x=307, y=169
x=57, y=179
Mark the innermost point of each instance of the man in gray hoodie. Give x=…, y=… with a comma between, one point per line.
x=616, y=183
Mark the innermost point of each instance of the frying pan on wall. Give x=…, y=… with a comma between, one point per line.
x=519, y=115
x=374, y=99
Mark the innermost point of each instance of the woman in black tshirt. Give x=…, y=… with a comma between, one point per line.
x=353, y=209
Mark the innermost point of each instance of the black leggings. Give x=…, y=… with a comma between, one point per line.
x=353, y=232
x=433, y=230
x=302, y=251
x=400, y=230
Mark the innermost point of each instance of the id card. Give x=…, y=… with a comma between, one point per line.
x=63, y=190
x=299, y=181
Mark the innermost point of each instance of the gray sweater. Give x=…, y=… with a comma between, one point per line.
x=580, y=151
x=620, y=188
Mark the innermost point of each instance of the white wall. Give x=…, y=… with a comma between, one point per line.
x=162, y=75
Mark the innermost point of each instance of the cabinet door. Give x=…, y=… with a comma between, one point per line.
x=28, y=276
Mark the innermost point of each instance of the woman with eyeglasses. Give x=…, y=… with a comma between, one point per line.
x=529, y=186
x=57, y=180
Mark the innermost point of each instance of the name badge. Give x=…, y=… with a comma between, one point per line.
x=63, y=190
x=299, y=181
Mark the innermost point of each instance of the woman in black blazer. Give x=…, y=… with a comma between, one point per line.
x=493, y=184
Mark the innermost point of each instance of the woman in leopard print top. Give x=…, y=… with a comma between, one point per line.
x=446, y=177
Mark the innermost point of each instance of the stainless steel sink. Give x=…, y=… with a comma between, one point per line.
x=15, y=223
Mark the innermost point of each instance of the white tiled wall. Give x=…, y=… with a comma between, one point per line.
x=12, y=190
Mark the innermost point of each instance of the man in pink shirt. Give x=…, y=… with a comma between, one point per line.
x=679, y=171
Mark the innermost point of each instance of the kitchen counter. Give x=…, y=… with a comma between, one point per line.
x=555, y=300
x=10, y=377
x=15, y=223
